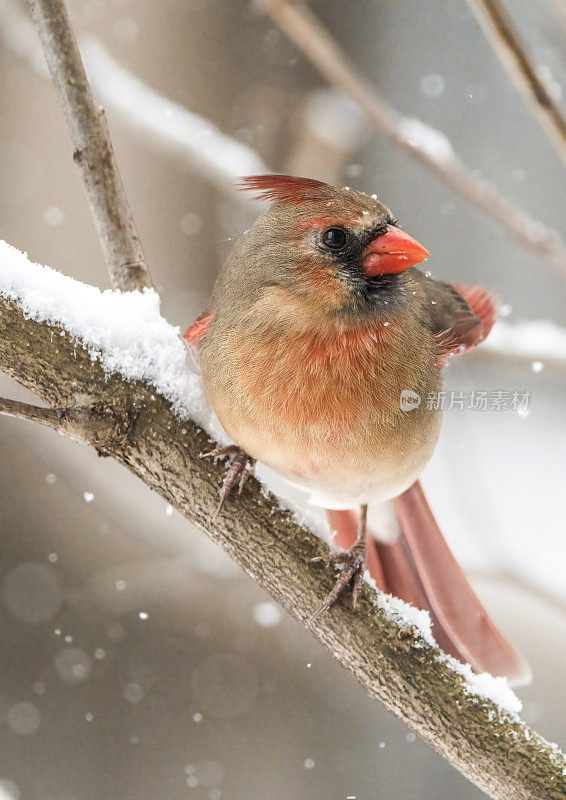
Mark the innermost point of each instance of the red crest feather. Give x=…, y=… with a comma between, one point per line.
x=285, y=188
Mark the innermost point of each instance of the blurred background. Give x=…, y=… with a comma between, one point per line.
x=137, y=661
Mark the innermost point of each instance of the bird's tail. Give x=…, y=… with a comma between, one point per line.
x=419, y=568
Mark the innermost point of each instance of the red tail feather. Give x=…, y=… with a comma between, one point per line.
x=420, y=569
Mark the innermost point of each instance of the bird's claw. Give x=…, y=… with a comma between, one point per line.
x=221, y=451
x=239, y=470
x=353, y=563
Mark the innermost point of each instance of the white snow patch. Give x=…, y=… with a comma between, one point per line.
x=124, y=331
x=487, y=686
x=484, y=685
x=404, y=614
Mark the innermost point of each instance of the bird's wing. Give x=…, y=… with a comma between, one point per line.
x=464, y=317
x=194, y=335
x=199, y=327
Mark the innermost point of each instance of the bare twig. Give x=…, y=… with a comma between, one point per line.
x=14, y=408
x=421, y=142
x=92, y=148
x=185, y=133
x=64, y=420
x=505, y=41
x=134, y=424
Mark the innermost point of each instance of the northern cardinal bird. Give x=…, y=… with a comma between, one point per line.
x=319, y=326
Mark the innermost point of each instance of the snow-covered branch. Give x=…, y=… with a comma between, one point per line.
x=510, y=50
x=117, y=368
x=93, y=151
x=413, y=137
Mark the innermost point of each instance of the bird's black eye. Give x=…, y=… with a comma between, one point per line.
x=334, y=238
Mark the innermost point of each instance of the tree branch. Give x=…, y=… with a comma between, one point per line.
x=184, y=135
x=130, y=421
x=133, y=423
x=424, y=144
x=93, y=151
x=508, y=47
x=13, y=408
x=62, y=420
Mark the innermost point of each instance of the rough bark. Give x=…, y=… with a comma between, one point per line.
x=132, y=423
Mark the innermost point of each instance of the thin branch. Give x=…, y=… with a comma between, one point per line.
x=187, y=133
x=198, y=140
x=13, y=408
x=507, y=45
x=92, y=148
x=62, y=420
x=424, y=144
x=132, y=422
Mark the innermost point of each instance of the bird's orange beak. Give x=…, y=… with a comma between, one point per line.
x=393, y=251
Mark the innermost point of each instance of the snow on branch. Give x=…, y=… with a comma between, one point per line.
x=123, y=387
x=508, y=47
x=413, y=137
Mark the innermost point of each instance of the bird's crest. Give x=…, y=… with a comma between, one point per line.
x=286, y=188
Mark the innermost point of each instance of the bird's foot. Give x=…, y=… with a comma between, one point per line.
x=353, y=562
x=239, y=469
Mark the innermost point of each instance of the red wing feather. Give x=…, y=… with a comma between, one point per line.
x=193, y=335
x=483, y=305
x=199, y=327
x=470, y=321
